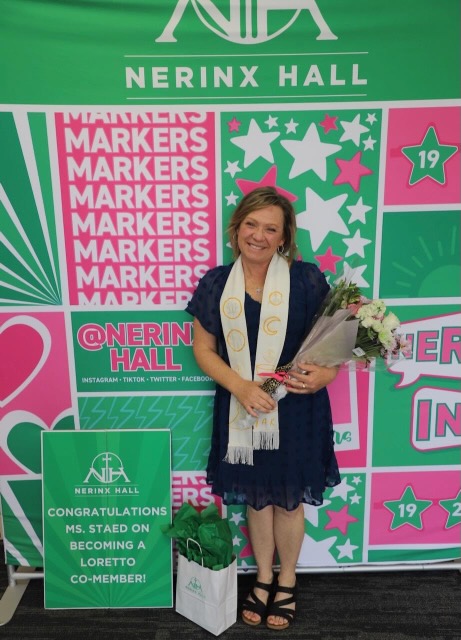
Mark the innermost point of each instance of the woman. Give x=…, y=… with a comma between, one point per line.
x=249, y=317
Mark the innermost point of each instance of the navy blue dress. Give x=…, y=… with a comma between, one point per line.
x=305, y=463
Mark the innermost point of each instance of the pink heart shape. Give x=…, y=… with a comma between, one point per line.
x=24, y=347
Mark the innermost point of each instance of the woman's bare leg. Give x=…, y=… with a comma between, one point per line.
x=261, y=530
x=289, y=536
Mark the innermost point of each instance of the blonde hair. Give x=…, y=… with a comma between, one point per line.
x=261, y=198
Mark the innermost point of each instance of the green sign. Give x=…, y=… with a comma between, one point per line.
x=105, y=496
x=134, y=351
x=189, y=51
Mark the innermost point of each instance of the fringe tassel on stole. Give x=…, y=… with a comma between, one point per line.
x=244, y=455
x=265, y=439
x=239, y=455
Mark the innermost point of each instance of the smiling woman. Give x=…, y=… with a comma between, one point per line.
x=250, y=316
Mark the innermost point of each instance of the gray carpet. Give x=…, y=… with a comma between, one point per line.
x=350, y=606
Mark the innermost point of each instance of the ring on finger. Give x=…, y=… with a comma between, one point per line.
x=304, y=386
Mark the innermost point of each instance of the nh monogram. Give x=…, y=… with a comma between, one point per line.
x=231, y=28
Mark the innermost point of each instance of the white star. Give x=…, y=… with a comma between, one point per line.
x=271, y=122
x=291, y=126
x=313, y=552
x=236, y=541
x=371, y=118
x=232, y=168
x=322, y=217
x=358, y=211
x=346, y=550
x=341, y=490
x=354, y=274
x=356, y=480
x=236, y=518
x=355, y=499
x=309, y=153
x=353, y=130
x=311, y=513
x=369, y=143
x=255, y=144
x=231, y=199
x=355, y=245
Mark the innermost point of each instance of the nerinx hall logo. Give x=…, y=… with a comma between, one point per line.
x=107, y=469
x=294, y=62
x=195, y=587
x=247, y=24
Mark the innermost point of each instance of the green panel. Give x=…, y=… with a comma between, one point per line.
x=392, y=413
x=132, y=351
x=418, y=262
x=23, y=525
x=78, y=52
x=413, y=555
x=311, y=186
x=188, y=417
x=29, y=249
x=106, y=496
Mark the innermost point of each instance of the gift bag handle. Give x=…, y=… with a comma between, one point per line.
x=198, y=545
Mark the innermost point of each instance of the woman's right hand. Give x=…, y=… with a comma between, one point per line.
x=253, y=398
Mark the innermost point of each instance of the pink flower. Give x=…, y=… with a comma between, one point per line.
x=353, y=308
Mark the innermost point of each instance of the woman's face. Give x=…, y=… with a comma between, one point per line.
x=260, y=234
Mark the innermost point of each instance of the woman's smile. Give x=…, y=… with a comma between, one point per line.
x=261, y=232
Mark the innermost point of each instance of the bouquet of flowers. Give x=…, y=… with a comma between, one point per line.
x=347, y=329
x=379, y=337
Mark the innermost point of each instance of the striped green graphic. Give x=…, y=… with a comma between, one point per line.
x=29, y=271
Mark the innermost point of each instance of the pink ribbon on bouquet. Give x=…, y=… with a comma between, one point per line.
x=280, y=377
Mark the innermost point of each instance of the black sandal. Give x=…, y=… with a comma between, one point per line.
x=255, y=605
x=280, y=609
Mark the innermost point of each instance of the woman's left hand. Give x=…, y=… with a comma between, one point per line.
x=310, y=378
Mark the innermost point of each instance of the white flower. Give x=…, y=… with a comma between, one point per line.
x=386, y=339
x=365, y=311
x=366, y=322
x=377, y=326
x=380, y=307
x=391, y=322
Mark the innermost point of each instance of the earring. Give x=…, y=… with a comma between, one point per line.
x=281, y=250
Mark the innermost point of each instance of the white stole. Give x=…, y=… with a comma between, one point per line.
x=264, y=433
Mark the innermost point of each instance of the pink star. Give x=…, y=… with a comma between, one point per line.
x=328, y=123
x=351, y=171
x=234, y=124
x=268, y=180
x=327, y=261
x=340, y=519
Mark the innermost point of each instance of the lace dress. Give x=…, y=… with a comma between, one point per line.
x=305, y=463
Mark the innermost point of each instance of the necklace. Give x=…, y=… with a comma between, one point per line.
x=254, y=284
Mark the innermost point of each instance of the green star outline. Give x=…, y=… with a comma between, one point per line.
x=408, y=497
x=430, y=142
x=450, y=508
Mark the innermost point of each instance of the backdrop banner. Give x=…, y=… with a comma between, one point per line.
x=128, y=134
x=106, y=495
